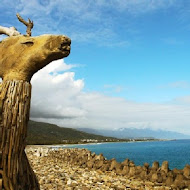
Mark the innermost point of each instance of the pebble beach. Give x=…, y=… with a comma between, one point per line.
x=79, y=169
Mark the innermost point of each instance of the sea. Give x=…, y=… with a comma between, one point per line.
x=176, y=152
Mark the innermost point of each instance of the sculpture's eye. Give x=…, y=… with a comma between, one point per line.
x=28, y=43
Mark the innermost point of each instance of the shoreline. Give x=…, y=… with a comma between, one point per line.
x=85, y=170
x=66, y=145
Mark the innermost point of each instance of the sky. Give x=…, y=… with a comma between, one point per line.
x=128, y=67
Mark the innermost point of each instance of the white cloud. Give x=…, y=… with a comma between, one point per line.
x=173, y=41
x=84, y=20
x=58, y=66
x=58, y=97
x=138, y=7
x=54, y=91
x=114, y=88
x=177, y=84
x=185, y=100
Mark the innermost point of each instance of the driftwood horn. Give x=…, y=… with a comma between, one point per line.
x=28, y=24
x=12, y=31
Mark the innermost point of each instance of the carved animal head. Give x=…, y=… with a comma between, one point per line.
x=22, y=56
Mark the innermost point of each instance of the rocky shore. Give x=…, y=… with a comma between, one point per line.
x=80, y=169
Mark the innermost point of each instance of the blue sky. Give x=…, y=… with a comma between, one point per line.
x=133, y=52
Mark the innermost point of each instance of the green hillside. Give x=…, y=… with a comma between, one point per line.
x=45, y=133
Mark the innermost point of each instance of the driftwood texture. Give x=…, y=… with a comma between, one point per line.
x=15, y=170
x=21, y=57
x=12, y=31
x=9, y=31
x=28, y=24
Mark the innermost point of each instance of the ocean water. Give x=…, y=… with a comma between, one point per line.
x=176, y=152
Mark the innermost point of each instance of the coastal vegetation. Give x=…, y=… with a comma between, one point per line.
x=45, y=133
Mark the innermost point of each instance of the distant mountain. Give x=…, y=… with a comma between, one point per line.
x=45, y=133
x=137, y=133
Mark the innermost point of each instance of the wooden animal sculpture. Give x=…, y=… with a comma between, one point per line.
x=20, y=57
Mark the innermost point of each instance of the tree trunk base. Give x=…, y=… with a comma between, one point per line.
x=27, y=179
x=15, y=170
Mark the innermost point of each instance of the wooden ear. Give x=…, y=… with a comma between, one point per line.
x=28, y=42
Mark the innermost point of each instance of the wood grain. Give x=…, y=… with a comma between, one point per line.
x=15, y=170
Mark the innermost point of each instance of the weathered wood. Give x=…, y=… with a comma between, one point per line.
x=21, y=57
x=16, y=171
x=28, y=24
x=1, y=171
x=12, y=31
x=0, y=183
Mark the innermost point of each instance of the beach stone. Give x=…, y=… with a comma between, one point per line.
x=164, y=175
x=131, y=164
x=187, y=184
x=186, y=171
x=179, y=181
x=165, y=167
x=146, y=165
x=156, y=177
x=125, y=170
x=155, y=166
x=125, y=162
x=169, y=180
x=132, y=171
x=100, y=157
x=93, y=155
x=90, y=164
x=143, y=174
x=176, y=171
x=119, y=171
x=99, y=164
x=85, y=188
x=48, y=186
x=59, y=170
x=105, y=167
x=138, y=171
x=114, y=164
